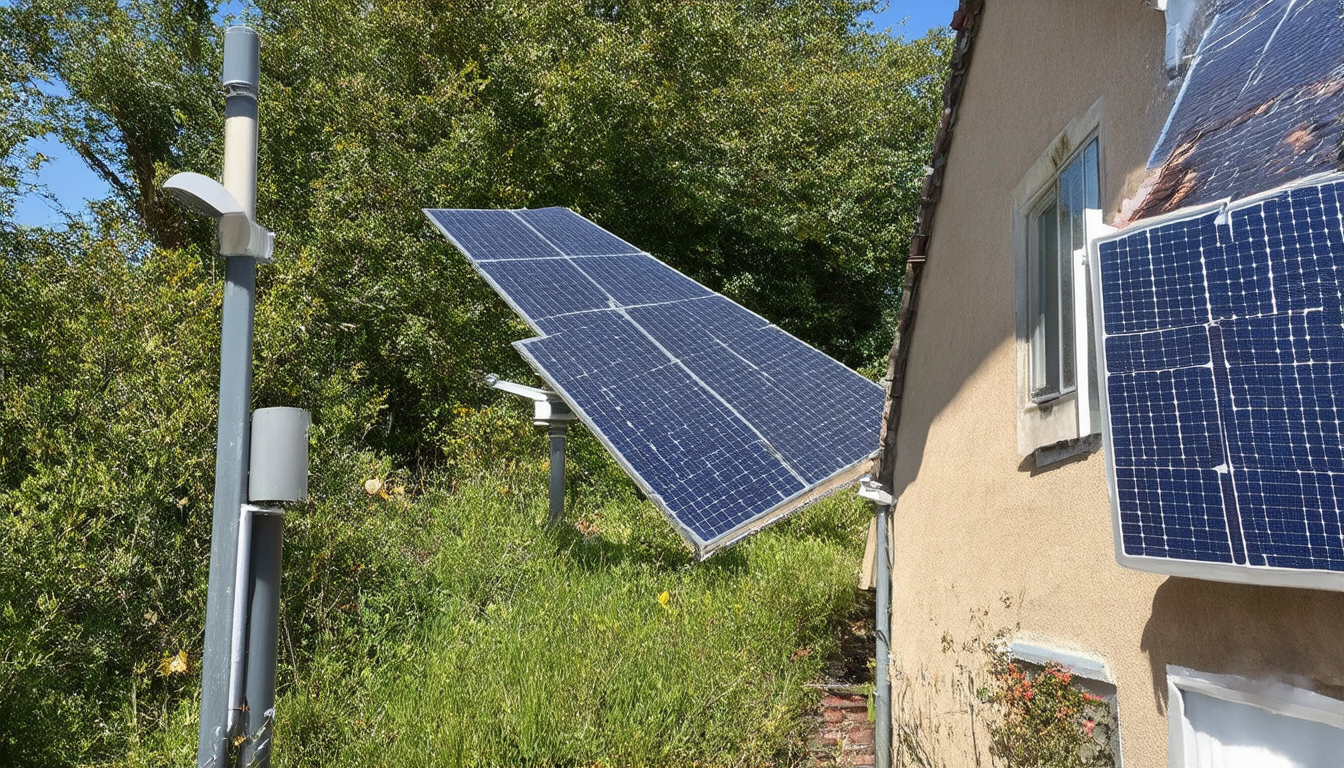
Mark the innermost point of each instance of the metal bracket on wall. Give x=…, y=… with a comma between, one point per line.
x=873, y=491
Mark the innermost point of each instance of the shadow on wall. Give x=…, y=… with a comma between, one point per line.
x=1293, y=635
x=977, y=338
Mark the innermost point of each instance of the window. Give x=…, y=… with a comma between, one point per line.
x=1057, y=253
x=1056, y=211
x=1225, y=721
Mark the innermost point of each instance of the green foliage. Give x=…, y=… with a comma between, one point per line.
x=768, y=150
x=556, y=650
x=106, y=453
x=771, y=150
x=105, y=431
x=597, y=646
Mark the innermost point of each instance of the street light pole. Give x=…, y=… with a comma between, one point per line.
x=240, y=76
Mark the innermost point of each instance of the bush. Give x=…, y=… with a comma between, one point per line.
x=1046, y=720
x=107, y=419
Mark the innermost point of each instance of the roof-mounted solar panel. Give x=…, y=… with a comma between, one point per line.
x=725, y=421
x=1222, y=335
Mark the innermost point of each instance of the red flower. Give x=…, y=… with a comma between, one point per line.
x=1089, y=725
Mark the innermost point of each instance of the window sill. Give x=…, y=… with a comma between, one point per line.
x=1066, y=449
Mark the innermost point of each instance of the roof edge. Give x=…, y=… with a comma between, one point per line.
x=966, y=21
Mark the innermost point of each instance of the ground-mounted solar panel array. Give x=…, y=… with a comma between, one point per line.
x=725, y=421
x=1223, y=342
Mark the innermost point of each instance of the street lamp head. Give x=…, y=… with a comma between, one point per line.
x=522, y=390
x=239, y=235
x=203, y=195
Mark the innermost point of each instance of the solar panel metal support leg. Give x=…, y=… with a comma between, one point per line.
x=557, y=432
x=551, y=412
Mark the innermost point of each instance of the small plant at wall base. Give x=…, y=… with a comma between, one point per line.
x=1047, y=720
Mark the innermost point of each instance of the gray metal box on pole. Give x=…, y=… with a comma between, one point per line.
x=242, y=62
x=279, y=461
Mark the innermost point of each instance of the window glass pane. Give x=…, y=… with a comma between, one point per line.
x=1036, y=330
x=1090, y=171
x=1057, y=231
x=1234, y=735
x=1070, y=238
x=1046, y=353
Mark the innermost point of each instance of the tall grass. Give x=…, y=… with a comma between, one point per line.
x=597, y=643
x=603, y=644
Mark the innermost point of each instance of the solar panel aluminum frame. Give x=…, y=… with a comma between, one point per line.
x=1210, y=571
x=703, y=548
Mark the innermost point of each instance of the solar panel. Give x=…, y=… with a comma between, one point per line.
x=725, y=421
x=1223, y=361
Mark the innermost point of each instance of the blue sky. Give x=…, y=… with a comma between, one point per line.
x=72, y=183
x=919, y=16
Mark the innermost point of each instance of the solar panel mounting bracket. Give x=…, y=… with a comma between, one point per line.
x=548, y=409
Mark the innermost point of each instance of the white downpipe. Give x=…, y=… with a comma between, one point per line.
x=237, y=638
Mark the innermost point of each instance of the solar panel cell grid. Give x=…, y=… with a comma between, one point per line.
x=572, y=234
x=1181, y=523
x=1224, y=369
x=640, y=279
x=542, y=288
x=765, y=372
x=691, y=450
x=491, y=235
x=1239, y=277
x=1158, y=350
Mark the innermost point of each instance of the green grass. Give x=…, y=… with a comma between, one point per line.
x=552, y=647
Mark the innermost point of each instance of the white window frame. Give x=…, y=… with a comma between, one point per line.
x=1062, y=425
x=1276, y=697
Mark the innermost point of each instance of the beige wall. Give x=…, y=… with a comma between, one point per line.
x=984, y=542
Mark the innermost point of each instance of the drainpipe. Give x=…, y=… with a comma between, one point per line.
x=882, y=502
x=882, y=694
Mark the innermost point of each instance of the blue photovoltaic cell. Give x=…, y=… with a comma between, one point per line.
x=542, y=288
x=749, y=364
x=1259, y=106
x=698, y=456
x=727, y=421
x=1155, y=279
x=641, y=279
x=1183, y=517
x=1239, y=277
x=574, y=235
x=492, y=235
x=1224, y=353
x=1292, y=528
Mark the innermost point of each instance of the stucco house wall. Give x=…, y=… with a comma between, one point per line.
x=985, y=543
